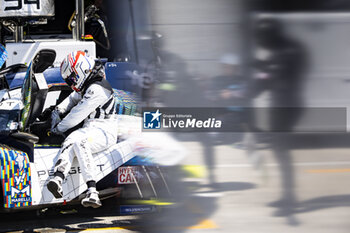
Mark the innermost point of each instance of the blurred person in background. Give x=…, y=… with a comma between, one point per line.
x=278, y=67
x=173, y=86
x=226, y=90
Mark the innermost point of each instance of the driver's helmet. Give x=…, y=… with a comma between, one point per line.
x=76, y=69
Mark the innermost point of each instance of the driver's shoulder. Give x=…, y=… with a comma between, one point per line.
x=95, y=90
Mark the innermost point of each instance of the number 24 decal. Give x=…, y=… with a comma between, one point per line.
x=19, y=4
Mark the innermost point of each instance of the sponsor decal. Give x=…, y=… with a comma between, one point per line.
x=127, y=175
x=43, y=174
x=15, y=178
x=137, y=209
x=22, y=195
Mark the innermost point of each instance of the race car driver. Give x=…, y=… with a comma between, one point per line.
x=91, y=102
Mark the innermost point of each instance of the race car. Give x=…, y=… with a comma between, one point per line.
x=28, y=151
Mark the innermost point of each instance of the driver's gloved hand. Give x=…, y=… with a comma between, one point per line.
x=55, y=131
x=45, y=115
x=55, y=118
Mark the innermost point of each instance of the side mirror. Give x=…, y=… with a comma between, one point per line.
x=43, y=60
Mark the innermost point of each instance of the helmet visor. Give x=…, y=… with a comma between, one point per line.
x=71, y=80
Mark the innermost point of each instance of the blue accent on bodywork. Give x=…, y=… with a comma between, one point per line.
x=3, y=55
x=15, y=80
x=139, y=161
x=52, y=76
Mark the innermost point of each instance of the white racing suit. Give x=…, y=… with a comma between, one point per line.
x=96, y=107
